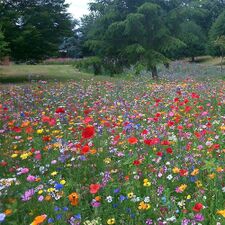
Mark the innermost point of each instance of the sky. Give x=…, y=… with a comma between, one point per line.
x=78, y=8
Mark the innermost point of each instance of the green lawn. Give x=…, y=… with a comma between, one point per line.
x=21, y=73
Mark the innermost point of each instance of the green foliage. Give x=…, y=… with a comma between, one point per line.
x=91, y=64
x=3, y=46
x=193, y=36
x=35, y=29
x=123, y=38
x=217, y=34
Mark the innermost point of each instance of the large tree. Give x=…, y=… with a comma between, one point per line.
x=35, y=29
x=131, y=33
x=194, y=38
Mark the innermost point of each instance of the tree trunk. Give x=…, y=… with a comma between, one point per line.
x=154, y=73
x=192, y=59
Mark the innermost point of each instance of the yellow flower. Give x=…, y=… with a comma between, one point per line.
x=147, y=183
x=144, y=206
x=195, y=172
x=14, y=155
x=40, y=192
x=51, y=189
x=189, y=197
x=130, y=195
x=176, y=170
x=198, y=183
x=62, y=182
x=54, y=173
x=24, y=156
x=107, y=160
x=40, y=131
x=183, y=187
x=221, y=212
x=111, y=221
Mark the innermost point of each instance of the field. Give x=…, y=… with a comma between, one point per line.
x=112, y=151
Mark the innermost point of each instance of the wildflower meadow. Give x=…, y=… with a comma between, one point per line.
x=119, y=152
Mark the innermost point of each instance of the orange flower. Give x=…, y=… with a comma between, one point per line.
x=48, y=198
x=74, y=198
x=98, y=198
x=39, y=219
x=8, y=212
x=132, y=140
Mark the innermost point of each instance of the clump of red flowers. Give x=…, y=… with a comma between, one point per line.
x=88, y=132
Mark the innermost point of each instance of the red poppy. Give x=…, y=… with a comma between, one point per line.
x=45, y=119
x=94, y=188
x=144, y=132
x=169, y=150
x=46, y=138
x=136, y=162
x=88, y=120
x=87, y=111
x=60, y=110
x=160, y=154
x=152, y=141
x=29, y=130
x=165, y=142
x=132, y=140
x=85, y=150
x=88, y=132
x=52, y=122
x=17, y=129
x=117, y=138
x=183, y=172
x=194, y=95
x=170, y=123
x=198, y=207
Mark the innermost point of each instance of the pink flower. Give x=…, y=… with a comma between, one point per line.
x=24, y=170
x=31, y=178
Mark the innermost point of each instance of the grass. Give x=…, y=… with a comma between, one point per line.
x=208, y=60
x=22, y=73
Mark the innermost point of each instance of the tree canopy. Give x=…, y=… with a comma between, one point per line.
x=35, y=29
x=116, y=34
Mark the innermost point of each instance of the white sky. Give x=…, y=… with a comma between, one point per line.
x=78, y=8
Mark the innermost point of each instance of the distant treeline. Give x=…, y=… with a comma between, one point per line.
x=116, y=33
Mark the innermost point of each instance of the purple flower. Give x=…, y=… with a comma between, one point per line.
x=199, y=217
x=149, y=221
x=27, y=195
x=185, y=222
x=95, y=203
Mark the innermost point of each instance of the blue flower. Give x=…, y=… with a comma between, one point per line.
x=58, y=186
x=59, y=217
x=78, y=216
x=56, y=208
x=50, y=220
x=116, y=190
x=122, y=198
